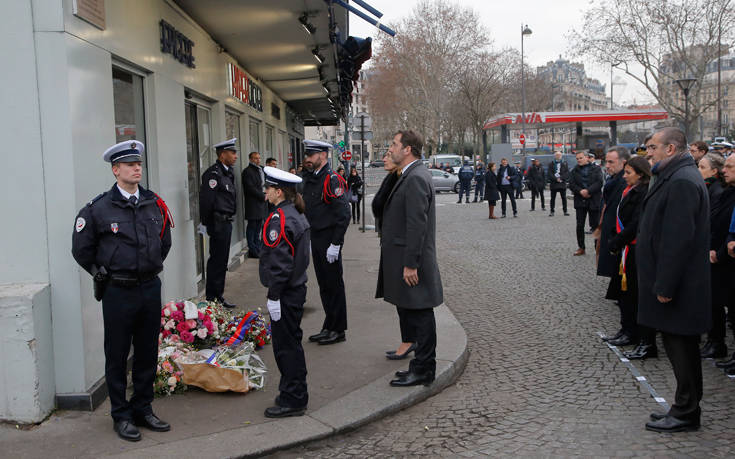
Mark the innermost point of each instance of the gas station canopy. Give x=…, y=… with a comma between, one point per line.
x=573, y=119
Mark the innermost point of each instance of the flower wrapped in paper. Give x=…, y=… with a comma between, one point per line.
x=236, y=369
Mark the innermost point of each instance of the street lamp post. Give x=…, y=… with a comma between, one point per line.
x=686, y=84
x=524, y=31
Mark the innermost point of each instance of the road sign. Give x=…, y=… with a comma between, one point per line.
x=357, y=135
x=341, y=143
x=356, y=121
x=522, y=139
x=347, y=155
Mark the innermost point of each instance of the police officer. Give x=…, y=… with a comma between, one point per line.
x=479, y=182
x=122, y=237
x=283, y=262
x=466, y=173
x=328, y=214
x=518, y=181
x=217, y=205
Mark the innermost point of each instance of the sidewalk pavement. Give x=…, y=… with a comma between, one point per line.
x=348, y=382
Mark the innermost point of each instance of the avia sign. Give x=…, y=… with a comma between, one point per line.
x=530, y=118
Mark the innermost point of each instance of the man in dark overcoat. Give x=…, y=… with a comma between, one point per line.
x=557, y=174
x=410, y=274
x=673, y=271
x=537, y=183
x=585, y=182
x=255, y=204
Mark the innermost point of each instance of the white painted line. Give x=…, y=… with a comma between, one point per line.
x=624, y=360
x=659, y=399
x=641, y=378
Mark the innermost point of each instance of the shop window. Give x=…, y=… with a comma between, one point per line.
x=128, y=98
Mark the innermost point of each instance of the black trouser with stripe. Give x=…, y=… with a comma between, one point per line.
x=220, y=233
x=131, y=314
x=288, y=351
x=331, y=283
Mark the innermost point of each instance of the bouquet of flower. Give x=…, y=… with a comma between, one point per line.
x=252, y=327
x=168, y=375
x=184, y=321
x=240, y=357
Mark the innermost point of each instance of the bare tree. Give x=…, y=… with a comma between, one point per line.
x=667, y=39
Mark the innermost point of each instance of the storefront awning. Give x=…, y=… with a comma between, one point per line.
x=570, y=119
x=277, y=42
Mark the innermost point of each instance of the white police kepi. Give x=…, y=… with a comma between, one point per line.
x=227, y=145
x=277, y=177
x=315, y=146
x=130, y=151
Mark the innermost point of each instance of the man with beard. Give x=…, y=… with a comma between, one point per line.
x=328, y=213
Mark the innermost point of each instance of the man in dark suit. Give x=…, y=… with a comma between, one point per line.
x=410, y=275
x=537, y=183
x=673, y=271
x=255, y=203
x=608, y=263
x=506, y=178
x=558, y=175
x=585, y=181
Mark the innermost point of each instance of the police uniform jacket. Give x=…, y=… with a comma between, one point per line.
x=285, y=254
x=326, y=209
x=217, y=196
x=111, y=232
x=673, y=251
x=409, y=240
x=466, y=173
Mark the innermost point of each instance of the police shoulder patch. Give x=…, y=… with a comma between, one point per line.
x=272, y=235
x=80, y=224
x=212, y=183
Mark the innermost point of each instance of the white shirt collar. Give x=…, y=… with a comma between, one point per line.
x=407, y=166
x=127, y=195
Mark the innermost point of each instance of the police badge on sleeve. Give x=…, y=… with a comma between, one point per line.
x=80, y=224
x=272, y=235
x=212, y=183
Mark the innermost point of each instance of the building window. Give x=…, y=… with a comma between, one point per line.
x=127, y=93
x=254, y=136
x=269, y=140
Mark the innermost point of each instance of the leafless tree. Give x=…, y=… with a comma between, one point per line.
x=657, y=42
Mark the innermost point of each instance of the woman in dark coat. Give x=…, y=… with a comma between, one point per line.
x=408, y=342
x=491, y=189
x=721, y=205
x=354, y=184
x=637, y=174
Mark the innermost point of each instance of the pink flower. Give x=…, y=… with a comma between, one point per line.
x=177, y=316
x=163, y=321
x=187, y=337
x=169, y=325
x=173, y=338
x=202, y=333
x=201, y=315
x=191, y=323
x=167, y=366
x=166, y=312
x=210, y=327
x=182, y=327
x=180, y=306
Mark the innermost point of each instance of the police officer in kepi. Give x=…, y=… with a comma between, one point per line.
x=217, y=205
x=283, y=262
x=328, y=213
x=121, y=238
x=466, y=173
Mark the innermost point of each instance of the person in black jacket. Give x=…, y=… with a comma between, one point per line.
x=122, y=237
x=479, y=182
x=586, y=183
x=674, y=282
x=721, y=205
x=724, y=265
x=354, y=185
x=282, y=270
x=557, y=174
x=537, y=183
x=217, y=206
x=382, y=194
x=253, y=181
x=622, y=244
x=505, y=179
x=518, y=180
x=491, y=189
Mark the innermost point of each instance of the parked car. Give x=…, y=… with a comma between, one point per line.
x=377, y=163
x=444, y=181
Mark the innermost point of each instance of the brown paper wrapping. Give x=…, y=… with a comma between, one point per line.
x=215, y=379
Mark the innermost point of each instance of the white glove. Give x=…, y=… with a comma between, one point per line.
x=332, y=253
x=274, y=309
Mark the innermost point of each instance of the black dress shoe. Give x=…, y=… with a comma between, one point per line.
x=612, y=337
x=397, y=356
x=642, y=351
x=566, y=214
x=332, y=337
x=283, y=412
x=226, y=304
x=318, y=336
x=715, y=351
x=726, y=363
x=672, y=424
x=126, y=430
x=655, y=416
x=402, y=373
x=413, y=379
x=152, y=422
x=730, y=371
x=623, y=340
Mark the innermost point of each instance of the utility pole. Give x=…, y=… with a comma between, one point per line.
x=362, y=156
x=719, y=78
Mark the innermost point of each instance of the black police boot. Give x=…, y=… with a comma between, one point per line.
x=152, y=422
x=717, y=350
x=225, y=303
x=126, y=430
x=322, y=334
x=332, y=337
x=283, y=412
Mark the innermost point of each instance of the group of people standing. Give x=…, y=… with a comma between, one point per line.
x=665, y=236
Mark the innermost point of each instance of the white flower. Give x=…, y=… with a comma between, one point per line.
x=172, y=381
x=169, y=325
x=202, y=333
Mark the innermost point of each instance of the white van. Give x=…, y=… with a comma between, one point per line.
x=453, y=161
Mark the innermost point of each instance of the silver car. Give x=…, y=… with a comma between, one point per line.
x=444, y=181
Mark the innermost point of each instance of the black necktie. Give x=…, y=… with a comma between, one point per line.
x=133, y=200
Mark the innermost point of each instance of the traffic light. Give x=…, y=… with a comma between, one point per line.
x=352, y=54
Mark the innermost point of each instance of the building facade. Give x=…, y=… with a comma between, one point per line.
x=175, y=75
x=572, y=90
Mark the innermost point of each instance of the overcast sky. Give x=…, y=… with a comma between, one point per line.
x=549, y=21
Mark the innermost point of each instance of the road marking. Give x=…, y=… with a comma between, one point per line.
x=637, y=375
